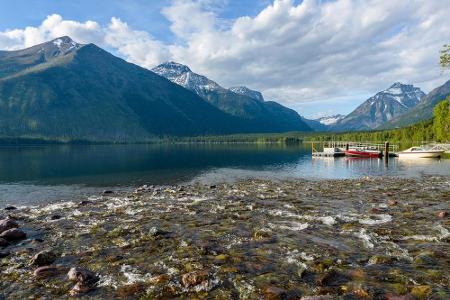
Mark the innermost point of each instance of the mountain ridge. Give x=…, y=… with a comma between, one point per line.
x=242, y=102
x=380, y=108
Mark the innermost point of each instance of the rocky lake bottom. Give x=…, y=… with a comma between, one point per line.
x=367, y=238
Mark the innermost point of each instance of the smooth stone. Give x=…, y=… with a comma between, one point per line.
x=4, y=254
x=274, y=293
x=10, y=207
x=80, y=288
x=43, y=258
x=194, y=278
x=4, y=243
x=82, y=275
x=45, y=271
x=108, y=192
x=442, y=214
x=13, y=234
x=7, y=224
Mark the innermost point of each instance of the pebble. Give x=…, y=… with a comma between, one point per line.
x=108, y=192
x=442, y=214
x=13, y=234
x=7, y=224
x=10, y=207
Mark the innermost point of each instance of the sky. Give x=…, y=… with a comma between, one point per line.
x=319, y=57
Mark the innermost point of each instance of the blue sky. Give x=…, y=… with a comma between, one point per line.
x=140, y=14
x=318, y=57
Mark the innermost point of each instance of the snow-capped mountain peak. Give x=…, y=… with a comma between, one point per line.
x=382, y=107
x=62, y=46
x=182, y=75
x=406, y=94
x=330, y=120
x=243, y=90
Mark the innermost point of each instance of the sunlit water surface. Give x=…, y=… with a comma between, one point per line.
x=41, y=174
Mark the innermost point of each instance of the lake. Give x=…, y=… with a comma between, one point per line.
x=41, y=174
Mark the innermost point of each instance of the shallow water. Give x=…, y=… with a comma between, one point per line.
x=368, y=238
x=41, y=174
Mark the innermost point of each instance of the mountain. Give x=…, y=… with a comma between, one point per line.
x=64, y=90
x=315, y=125
x=381, y=108
x=242, y=90
x=240, y=102
x=330, y=120
x=423, y=111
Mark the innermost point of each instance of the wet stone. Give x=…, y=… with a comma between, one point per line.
x=442, y=214
x=45, y=272
x=82, y=275
x=275, y=293
x=13, y=235
x=194, y=278
x=7, y=224
x=43, y=258
x=10, y=207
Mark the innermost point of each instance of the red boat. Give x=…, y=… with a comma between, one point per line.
x=363, y=152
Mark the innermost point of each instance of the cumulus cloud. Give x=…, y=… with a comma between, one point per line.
x=313, y=53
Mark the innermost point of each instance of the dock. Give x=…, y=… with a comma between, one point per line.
x=337, y=148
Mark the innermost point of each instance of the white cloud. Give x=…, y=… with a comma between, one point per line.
x=313, y=52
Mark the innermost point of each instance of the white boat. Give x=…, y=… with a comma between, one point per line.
x=420, y=152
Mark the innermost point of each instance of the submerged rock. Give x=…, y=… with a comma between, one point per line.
x=274, y=293
x=43, y=258
x=194, y=278
x=86, y=280
x=442, y=214
x=131, y=290
x=13, y=235
x=7, y=224
x=81, y=274
x=45, y=271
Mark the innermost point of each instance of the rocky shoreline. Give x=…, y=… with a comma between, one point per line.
x=369, y=238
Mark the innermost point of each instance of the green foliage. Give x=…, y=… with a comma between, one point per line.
x=441, y=122
x=445, y=57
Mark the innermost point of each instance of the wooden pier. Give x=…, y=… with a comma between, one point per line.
x=337, y=148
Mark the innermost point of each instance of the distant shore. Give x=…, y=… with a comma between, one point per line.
x=370, y=237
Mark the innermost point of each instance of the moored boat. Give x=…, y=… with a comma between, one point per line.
x=421, y=152
x=363, y=152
